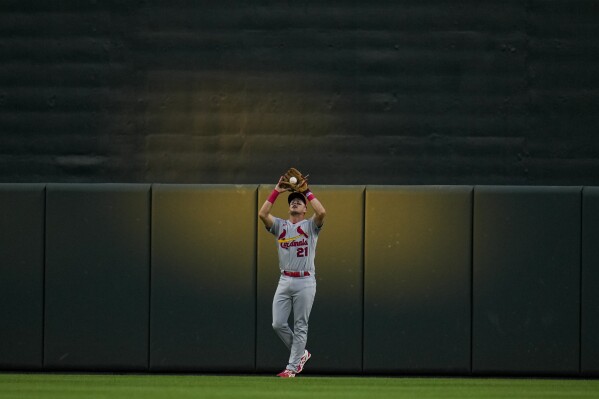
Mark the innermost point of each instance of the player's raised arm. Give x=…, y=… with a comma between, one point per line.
x=264, y=212
x=319, y=211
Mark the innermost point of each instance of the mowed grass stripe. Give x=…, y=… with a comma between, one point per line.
x=47, y=386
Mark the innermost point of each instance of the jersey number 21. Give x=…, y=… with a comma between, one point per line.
x=301, y=252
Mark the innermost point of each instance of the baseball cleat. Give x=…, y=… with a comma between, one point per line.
x=307, y=355
x=286, y=374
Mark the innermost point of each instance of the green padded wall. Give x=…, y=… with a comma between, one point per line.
x=335, y=328
x=417, y=279
x=203, y=278
x=21, y=275
x=589, y=362
x=526, y=281
x=97, y=277
x=394, y=271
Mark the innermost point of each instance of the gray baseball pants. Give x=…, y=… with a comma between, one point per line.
x=297, y=293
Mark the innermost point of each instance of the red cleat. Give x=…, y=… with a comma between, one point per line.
x=286, y=374
x=307, y=355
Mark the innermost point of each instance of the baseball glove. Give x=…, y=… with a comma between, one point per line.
x=301, y=185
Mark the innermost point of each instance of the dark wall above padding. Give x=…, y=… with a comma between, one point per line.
x=369, y=92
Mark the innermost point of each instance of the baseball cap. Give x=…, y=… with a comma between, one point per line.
x=295, y=195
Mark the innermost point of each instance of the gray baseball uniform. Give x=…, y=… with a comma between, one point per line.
x=296, y=245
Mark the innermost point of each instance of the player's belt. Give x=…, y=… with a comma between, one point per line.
x=295, y=274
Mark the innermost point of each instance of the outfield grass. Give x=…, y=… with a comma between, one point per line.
x=46, y=386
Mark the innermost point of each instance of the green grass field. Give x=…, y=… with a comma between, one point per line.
x=63, y=386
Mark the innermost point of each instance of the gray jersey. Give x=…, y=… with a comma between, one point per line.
x=296, y=244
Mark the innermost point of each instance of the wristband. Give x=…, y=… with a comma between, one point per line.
x=309, y=195
x=273, y=196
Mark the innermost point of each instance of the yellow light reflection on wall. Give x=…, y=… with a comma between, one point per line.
x=418, y=244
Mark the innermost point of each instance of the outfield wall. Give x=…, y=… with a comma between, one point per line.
x=447, y=280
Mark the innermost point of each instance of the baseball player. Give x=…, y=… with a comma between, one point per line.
x=296, y=244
